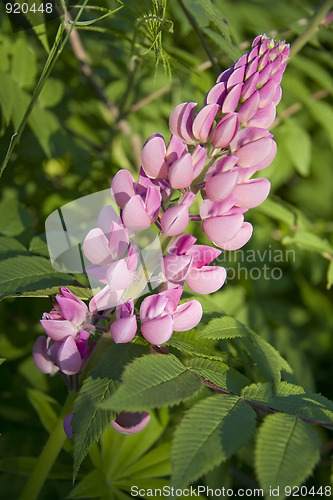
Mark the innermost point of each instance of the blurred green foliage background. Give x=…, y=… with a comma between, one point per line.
x=115, y=83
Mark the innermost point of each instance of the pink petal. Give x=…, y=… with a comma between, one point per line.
x=210, y=208
x=72, y=310
x=153, y=202
x=241, y=61
x=252, y=66
x=220, y=186
x=249, y=86
x=236, y=77
x=181, y=172
x=157, y=331
x=132, y=258
x=251, y=193
x=203, y=255
x=122, y=187
x=105, y=299
x=135, y=215
x=82, y=342
x=203, y=122
x=105, y=218
x=231, y=100
x=225, y=130
x=241, y=238
x=249, y=107
x=118, y=275
x=182, y=244
x=95, y=247
x=175, y=267
x=267, y=93
x=175, y=220
x=123, y=330
x=265, y=74
x=217, y=94
x=97, y=272
x=153, y=157
x=269, y=158
x=173, y=295
x=248, y=134
x=68, y=358
x=223, y=77
x=67, y=425
x=58, y=330
x=208, y=279
x=176, y=148
x=152, y=306
x=199, y=156
x=254, y=152
x=264, y=117
x=40, y=357
x=277, y=95
x=181, y=120
x=187, y=316
x=223, y=228
x=118, y=240
x=130, y=423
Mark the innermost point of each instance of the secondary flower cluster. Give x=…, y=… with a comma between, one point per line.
x=215, y=153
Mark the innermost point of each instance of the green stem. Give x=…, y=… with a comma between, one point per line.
x=312, y=28
x=55, y=52
x=49, y=454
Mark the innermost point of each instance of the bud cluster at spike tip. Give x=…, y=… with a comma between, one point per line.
x=214, y=152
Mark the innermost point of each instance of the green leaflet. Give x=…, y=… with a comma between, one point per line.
x=190, y=343
x=27, y=274
x=292, y=399
x=268, y=360
x=89, y=421
x=210, y=432
x=9, y=247
x=219, y=374
x=309, y=241
x=17, y=219
x=45, y=407
x=275, y=209
x=287, y=450
x=224, y=327
x=25, y=465
x=153, y=381
x=297, y=142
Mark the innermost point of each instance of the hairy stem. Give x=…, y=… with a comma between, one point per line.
x=312, y=28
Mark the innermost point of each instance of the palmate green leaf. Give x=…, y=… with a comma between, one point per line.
x=89, y=421
x=27, y=274
x=45, y=407
x=209, y=433
x=153, y=381
x=292, y=399
x=17, y=218
x=268, y=360
x=10, y=247
x=189, y=343
x=298, y=145
x=224, y=327
x=39, y=246
x=93, y=485
x=275, y=209
x=216, y=17
x=286, y=452
x=309, y=241
x=329, y=275
x=25, y=465
x=219, y=374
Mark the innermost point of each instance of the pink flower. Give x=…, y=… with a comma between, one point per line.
x=66, y=318
x=188, y=262
x=139, y=210
x=130, y=423
x=175, y=219
x=160, y=315
x=124, y=328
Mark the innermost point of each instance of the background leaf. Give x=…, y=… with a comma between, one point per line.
x=287, y=450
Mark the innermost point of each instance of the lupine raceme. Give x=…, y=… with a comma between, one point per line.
x=211, y=156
